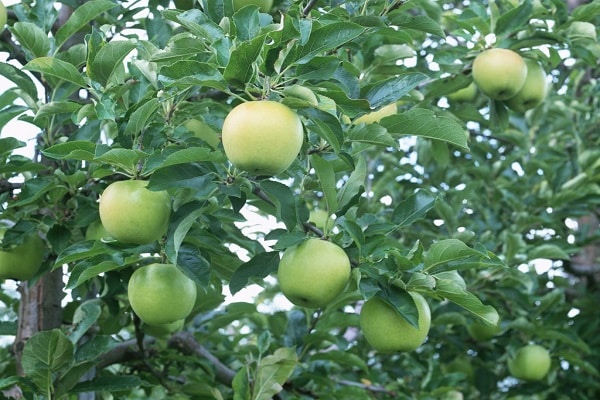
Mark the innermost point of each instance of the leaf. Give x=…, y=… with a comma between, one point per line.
x=241, y=385
x=284, y=200
x=260, y=266
x=81, y=251
x=185, y=156
x=56, y=68
x=353, y=188
x=392, y=89
x=56, y=107
x=140, y=117
x=372, y=134
x=326, y=177
x=84, y=318
x=19, y=78
x=193, y=264
x=456, y=293
x=513, y=20
x=190, y=176
x=124, y=159
x=109, y=384
x=45, y=354
x=272, y=372
x=328, y=38
x=108, y=59
x=412, y=208
x=425, y=123
x=548, y=251
x=343, y=359
x=186, y=73
x=32, y=37
x=419, y=23
x=402, y=302
x=240, y=68
x=447, y=250
x=80, y=17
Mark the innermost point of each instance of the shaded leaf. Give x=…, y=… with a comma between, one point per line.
x=260, y=266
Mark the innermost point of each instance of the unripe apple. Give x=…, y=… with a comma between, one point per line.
x=3, y=16
x=24, y=260
x=203, y=131
x=264, y=5
x=465, y=94
x=530, y=363
x=387, y=331
x=483, y=332
x=533, y=91
x=313, y=273
x=132, y=213
x=499, y=73
x=378, y=115
x=262, y=137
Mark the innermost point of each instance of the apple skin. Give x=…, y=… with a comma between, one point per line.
x=465, y=94
x=313, y=273
x=533, y=91
x=203, y=131
x=264, y=5
x=133, y=214
x=530, y=363
x=3, y=16
x=163, y=331
x=387, y=331
x=321, y=219
x=499, y=73
x=24, y=260
x=161, y=294
x=376, y=116
x=483, y=332
x=262, y=137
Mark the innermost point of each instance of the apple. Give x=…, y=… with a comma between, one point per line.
x=313, y=273
x=264, y=5
x=96, y=231
x=321, y=219
x=131, y=213
x=453, y=395
x=530, y=363
x=499, y=73
x=262, y=137
x=22, y=261
x=387, y=331
x=3, y=16
x=533, y=91
x=161, y=294
x=203, y=131
x=460, y=365
x=482, y=332
x=465, y=94
x=378, y=115
x=163, y=331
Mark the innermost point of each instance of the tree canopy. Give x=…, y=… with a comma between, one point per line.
x=488, y=213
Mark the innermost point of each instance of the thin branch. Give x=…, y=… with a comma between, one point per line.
x=308, y=7
x=365, y=386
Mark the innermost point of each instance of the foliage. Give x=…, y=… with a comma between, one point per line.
x=462, y=202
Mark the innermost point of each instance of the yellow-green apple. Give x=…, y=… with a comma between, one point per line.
x=22, y=261
x=465, y=94
x=378, y=115
x=533, y=91
x=530, y=363
x=499, y=73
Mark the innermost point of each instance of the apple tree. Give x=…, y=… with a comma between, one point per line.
x=457, y=214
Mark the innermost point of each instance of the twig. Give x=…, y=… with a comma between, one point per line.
x=308, y=7
x=369, y=387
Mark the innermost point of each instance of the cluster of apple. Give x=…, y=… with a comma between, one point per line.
x=502, y=74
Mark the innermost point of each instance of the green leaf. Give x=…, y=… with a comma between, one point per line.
x=548, y=251
x=326, y=177
x=186, y=73
x=285, y=202
x=514, y=20
x=455, y=292
x=80, y=251
x=56, y=68
x=272, y=372
x=185, y=156
x=447, y=250
x=328, y=38
x=354, y=187
x=402, y=302
x=56, y=107
x=419, y=23
x=19, y=78
x=82, y=15
x=125, y=159
x=392, y=89
x=109, y=384
x=342, y=359
x=88, y=269
x=108, y=59
x=413, y=208
x=371, y=134
x=193, y=264
x=45, y=354
x=260, y=266
x=32, y=38
x=425, y=123
x=240, y=68
x=140, y=117
x=84, y=318
x=187, y=175
x=241, y=385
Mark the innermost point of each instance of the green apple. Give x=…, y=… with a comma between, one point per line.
x=378, y=115
x=264, y=5
x=132, y=213
x=22, y=261
x=262, y=137
x=482, y=332
x=453, y=395
x=96, y=231
x=3, y=16
x=387, y=331
x=313, y=273
x=163, y=331
x=203, y=131
x=465, y=94
x=530, y=363
x=321, y=219
x=460, y=365
x=533, y=91
x=499, y=73
x=161, y=294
